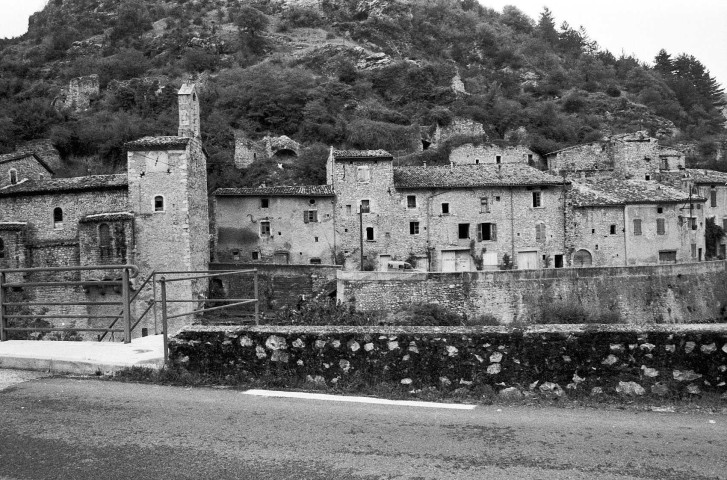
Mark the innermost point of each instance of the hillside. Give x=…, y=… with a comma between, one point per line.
x=348, y=73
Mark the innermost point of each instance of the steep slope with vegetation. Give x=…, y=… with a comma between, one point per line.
x=349, y=73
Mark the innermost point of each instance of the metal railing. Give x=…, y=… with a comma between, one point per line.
x=196, y=275
x=127, y=272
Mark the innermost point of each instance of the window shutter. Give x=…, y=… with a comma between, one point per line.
x=305, y=216
x=314, y=217
x=480, y=226
x=493, y=232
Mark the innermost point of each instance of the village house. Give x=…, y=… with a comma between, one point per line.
x=618, y=222
x=471, y=154
x=154, y=216
x=283, y=225
x=452, y=218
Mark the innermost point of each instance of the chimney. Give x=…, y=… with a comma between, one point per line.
x=189, y=124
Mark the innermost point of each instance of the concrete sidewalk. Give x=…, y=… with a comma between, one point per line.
x=84, y=358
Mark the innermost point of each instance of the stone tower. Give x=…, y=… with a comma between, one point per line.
x=189, y=125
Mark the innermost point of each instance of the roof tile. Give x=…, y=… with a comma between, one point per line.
x=615, y=192
x=75, y=184
x=283, y=191
x=158, y=143
x=464, y=176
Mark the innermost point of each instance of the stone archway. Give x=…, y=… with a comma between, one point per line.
x=582, y=258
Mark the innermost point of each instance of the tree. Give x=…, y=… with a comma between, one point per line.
x=250, y=23
x=546, y=27
x=663, y=63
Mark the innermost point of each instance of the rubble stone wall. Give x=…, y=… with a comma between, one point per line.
x=555, y=360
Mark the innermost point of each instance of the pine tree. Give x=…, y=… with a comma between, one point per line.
x=663, y=63
x=546, y=27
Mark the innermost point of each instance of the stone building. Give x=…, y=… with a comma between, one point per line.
x=454, y=218
x=154, y=216
x=20, y=167
x=615, y=222
x=470, y=154
x=282, y=225
x=627, y=156
x=282, y=149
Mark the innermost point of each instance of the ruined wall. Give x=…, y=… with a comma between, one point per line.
x=238, y=222
x=77, y=96
x=246, y=150
x=459, y=127
x=682, y=293
x=470, y=154
x=593, y=156
x=279, y=285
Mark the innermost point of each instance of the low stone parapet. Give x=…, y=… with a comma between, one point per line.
x=674, y=360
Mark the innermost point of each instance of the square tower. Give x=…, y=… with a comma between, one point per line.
x=189, y=124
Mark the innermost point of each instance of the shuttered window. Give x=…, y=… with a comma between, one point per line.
x=540, y=232
x=660, y=226
x=487, y=232
x=310, y=216
x=637, y=226
x=713, y=198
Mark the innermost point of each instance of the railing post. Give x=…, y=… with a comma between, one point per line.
x=3, y=333
x=154, y=299
x=127, y=304
x=257, y=299
x=163, y=284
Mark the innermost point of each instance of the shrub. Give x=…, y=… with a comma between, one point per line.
x=569, y=313
x=322, y=312
x=427, y=314
x=484, y=320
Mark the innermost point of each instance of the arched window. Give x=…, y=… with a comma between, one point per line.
x=58, y=217
x=582, y=258
x=104, y=241
x=13, y=176
x=159, y=203
x=2, y=248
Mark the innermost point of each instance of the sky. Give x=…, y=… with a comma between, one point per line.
x=638, y=27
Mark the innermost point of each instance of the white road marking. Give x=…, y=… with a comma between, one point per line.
x=341, y=398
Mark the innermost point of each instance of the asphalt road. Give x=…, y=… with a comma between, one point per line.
x=60, y=428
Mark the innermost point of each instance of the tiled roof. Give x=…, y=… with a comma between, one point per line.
x=186, y=89
x=11, y=157
x=75, y=184
x=291, y=191
x=464, y=176
x=360, y=154
x=158, y=143
x=698, y=175
x=107, y=217
x=614, y=192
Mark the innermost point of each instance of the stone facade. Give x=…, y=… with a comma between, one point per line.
x=427, y=216
x=285, y=225
x=18, y=167
x=470, y=154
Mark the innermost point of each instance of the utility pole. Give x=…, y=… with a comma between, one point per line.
x=361, y=211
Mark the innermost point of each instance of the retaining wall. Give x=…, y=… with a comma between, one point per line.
x=675, y=360
x=679, y=293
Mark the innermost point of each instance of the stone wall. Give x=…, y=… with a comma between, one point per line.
x=26, y=168
x=469, y=154
x=292, y=239
x=681, y=293
x=77, y=96
x=279, y=285
x=675, y=360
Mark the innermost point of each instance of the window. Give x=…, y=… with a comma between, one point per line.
x=659, y=210
x=264, y=202
x=411, y=201
x=497, y=199
x=445, y=209
x=484, y=205
x=348, y=209
x=256, y=255
x=315, y=261
x=694, y=250
x=540, y=232
x=498, y=159
x=647, y=177
x=370, y=234
x=487, y=232
x=477, y=161
x=365, y=206
x=664, y=163
x=413, y=228
x=58, y=217
x=315, y=239
x=363, y=174
x=637, y=226
x=536, y=199
x=530, y=158
x=312, y=201
x=13, y=176
x=104, y=241
x=2, y=248
x=559, y=261
x=713, y=198
x=612, y=230
x=310, y=216
x=668, y=256
x=159, y=203
x=464, y=230
x=660, y=226
x=693, y=222
x=264, y=228
x=724, y=224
